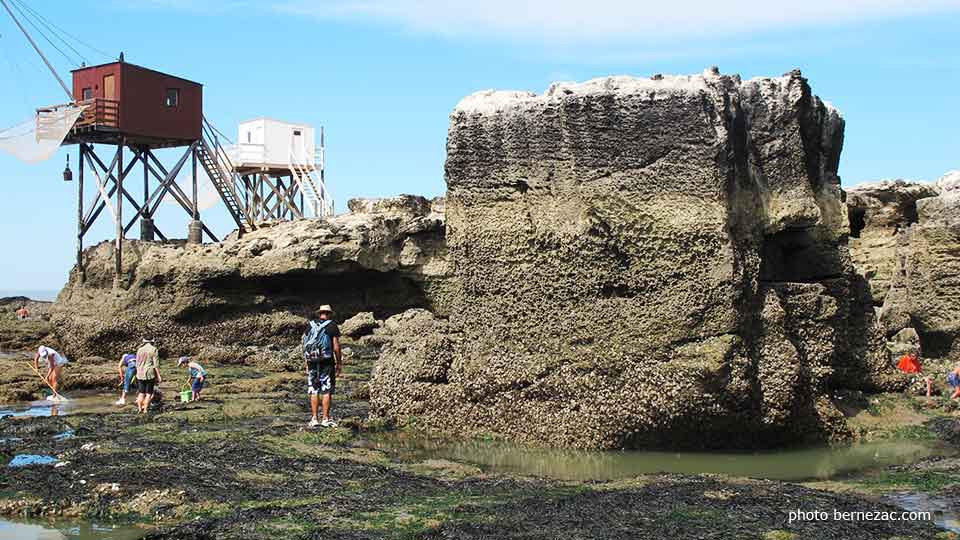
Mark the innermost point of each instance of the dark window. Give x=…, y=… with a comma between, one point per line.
x=87, y=93
x=173, y=97
x=296, y=133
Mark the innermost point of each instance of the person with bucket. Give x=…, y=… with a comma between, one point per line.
x=323, y=362
x=55, y=362
x=127, y=369
x=198, y=376
x=148, y=375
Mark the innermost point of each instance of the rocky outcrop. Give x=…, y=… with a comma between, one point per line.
x=904, y=238
x=925, y=261
x=361, y=324
x=385, y=256
x=642, y=262
x=878, y=211
x=18, y=334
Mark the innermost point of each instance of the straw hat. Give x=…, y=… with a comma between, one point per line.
x=325, y=309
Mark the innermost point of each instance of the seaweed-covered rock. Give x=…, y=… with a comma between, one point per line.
x=642, y=262
x=384, y=257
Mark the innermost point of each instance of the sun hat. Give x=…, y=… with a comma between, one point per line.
x=43, y=351
x=325, y=309
x=183, y=360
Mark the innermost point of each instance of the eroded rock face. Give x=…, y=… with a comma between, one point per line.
x=878, y=211
x=642, y=262
x=924, y=287
x=906, y=243
x=384, y=257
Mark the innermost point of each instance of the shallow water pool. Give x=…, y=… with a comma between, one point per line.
x=790, y=465
x=944, y=514
x=77, y=403
x=56, y=530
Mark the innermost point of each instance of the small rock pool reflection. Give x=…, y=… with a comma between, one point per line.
x=819, y=463
x=795, y=465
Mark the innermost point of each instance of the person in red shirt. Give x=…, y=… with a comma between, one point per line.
x=910, y=363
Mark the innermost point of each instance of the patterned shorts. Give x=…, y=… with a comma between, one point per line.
x=321, y=378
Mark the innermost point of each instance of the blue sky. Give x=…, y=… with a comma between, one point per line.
x=383, y=75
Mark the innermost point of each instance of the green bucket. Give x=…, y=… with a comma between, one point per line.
x=185, y=396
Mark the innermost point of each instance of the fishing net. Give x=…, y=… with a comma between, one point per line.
x=39, y=139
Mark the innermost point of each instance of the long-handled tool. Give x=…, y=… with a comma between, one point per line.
x=56, y=395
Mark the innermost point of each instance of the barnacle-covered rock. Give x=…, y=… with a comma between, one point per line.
x=642, y=262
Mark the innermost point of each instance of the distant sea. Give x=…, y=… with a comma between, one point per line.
x=34, y=294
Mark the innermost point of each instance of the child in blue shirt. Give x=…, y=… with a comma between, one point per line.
x=198, y=376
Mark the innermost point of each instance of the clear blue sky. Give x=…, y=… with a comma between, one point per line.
x=383, y=75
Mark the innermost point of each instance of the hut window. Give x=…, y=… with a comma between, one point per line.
x=87, y=93
x=296, y=133
x=173, y=97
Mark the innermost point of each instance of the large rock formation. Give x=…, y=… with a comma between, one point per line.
x=385, y=256
x=642, y=262
x=878, y=211
x=909, y=245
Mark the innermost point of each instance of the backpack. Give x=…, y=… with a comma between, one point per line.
x=953, y=379
x=317, y=344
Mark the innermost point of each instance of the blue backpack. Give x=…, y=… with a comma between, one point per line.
x=953, y=379
x=317, y=344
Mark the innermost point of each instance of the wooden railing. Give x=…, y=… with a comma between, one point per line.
x=99, y=112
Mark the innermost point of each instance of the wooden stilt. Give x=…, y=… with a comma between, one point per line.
x=118, y=263
x=81, y=272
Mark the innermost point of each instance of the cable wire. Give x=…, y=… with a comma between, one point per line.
x=68, y=34
x=39, y=31
x=43, y=21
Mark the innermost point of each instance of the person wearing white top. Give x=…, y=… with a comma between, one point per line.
x=55, y=362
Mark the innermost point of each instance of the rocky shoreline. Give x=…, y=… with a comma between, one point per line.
x=662, y=263
x=240, y=465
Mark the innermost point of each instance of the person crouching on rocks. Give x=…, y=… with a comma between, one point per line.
x=127, y=369
x=910, y=363
x=953, y=379
x=148, y=375
x=198, y=376
x=55, y=362
x=323, y=361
